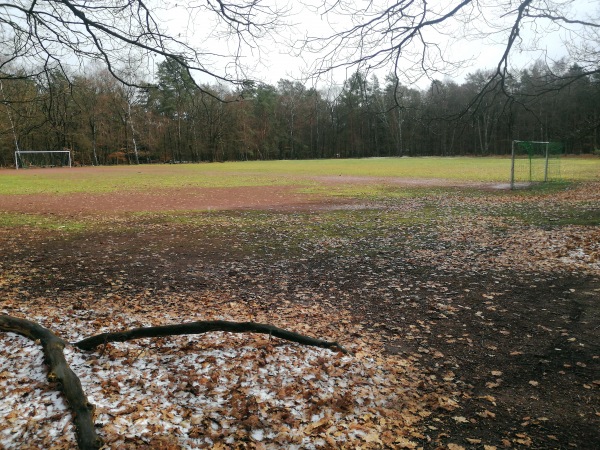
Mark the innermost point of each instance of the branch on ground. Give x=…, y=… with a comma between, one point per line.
x=60, y=372
x=70, y=384
x=204, y=327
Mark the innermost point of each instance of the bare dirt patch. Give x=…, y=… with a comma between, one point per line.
x=188, y=199
x=199, y=199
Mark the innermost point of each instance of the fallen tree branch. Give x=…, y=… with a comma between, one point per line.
x=204, y=327
x=70, y=384
x=59, y=371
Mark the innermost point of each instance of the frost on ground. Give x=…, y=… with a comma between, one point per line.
x=218, y=390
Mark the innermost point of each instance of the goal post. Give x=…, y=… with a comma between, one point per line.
x=42, y=158
x=534, y=162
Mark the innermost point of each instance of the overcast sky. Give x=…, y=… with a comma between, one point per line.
x=271, y=60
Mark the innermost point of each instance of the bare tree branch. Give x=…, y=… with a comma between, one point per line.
x=60, y=33
x=417, y=38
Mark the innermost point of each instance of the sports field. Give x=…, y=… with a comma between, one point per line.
x=253, y=173
x=470, y=311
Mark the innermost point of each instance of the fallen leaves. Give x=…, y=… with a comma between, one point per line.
x=220, y=390
x=486, y=414
x=523, y=439
x=489, y=398
x=493, y=384
x=452, y=297
x=452, y=446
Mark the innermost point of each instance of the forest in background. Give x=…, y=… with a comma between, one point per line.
x=103, y=121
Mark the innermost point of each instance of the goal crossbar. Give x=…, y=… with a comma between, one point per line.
x=21, y=152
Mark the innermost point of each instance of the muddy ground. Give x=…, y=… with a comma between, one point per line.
x=513, y=326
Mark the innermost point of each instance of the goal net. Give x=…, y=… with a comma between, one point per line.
x=42, y=158
x=534, y=162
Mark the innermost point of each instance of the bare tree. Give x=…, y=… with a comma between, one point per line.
x=44, y=35
x=419, y=38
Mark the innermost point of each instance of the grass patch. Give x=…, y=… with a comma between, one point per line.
x=584, y=169
x=557, y=215
x=260, y=234
x=394, y=192
x=489, y=169
x=100, y=180
x=369, y=191
x=14, y=220
x=537, y=189
x=261, y=173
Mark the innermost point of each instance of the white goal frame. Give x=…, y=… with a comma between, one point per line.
x=20, y=152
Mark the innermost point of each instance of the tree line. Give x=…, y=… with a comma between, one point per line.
x=172, y=119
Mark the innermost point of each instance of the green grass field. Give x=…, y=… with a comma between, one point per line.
x=255, y=173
